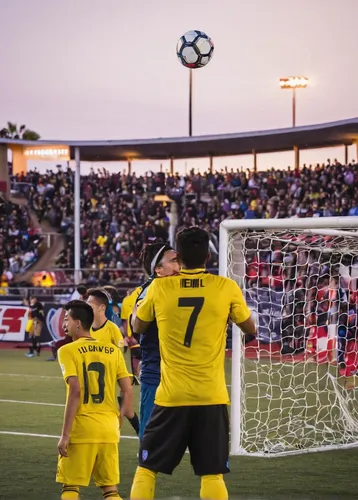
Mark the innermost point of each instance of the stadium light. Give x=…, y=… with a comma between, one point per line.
x=293, y=83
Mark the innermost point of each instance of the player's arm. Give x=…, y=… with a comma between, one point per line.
x=144, y=314
x=125, y=384
x=240, y=314
x=125, y=315
x=69, y=372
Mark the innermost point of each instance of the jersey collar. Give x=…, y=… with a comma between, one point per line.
x=193, y=271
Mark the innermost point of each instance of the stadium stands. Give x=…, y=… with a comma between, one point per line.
x=119, y=212
x=18, y=240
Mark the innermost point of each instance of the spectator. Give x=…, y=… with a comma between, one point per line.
x=119, y=213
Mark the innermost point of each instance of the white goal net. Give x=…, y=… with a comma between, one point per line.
x=293, y=388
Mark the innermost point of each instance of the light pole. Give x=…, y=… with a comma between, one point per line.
x=293, y=83
x=190, y=102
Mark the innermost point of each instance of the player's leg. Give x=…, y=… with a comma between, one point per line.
x=75, y=470
x=143, y=487
x=146, y=405
x=161, y=449
x=209, y=449
x=38, y=345
x=70, y=492
x=106, y=470
x=30, y=331
x=30, y=354
x=37, y=332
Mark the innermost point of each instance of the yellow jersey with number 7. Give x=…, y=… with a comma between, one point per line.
x=192, y=310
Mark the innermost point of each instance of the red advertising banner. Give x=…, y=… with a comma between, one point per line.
x=13, y=320
x=14, y=317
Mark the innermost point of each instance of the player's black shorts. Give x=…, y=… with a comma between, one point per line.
x=171, y=430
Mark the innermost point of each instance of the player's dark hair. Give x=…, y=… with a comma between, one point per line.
x=82, y=312
x=152, y=254
x=113, y=292
x=192, y=245
x=100, y=294
x=82, y=289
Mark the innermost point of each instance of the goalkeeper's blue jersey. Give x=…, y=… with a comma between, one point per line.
x=149, y=343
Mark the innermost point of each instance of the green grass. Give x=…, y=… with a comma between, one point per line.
x=28, y=464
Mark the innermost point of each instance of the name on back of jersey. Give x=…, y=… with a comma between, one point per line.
x=96, y=348
x=191, y=283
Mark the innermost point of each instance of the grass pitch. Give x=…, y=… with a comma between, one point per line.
x=28, y=449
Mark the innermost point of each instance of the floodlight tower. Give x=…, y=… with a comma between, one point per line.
x=293, y=83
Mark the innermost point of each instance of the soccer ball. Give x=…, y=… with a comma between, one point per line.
x=195, y=49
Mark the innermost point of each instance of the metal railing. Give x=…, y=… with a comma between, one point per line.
x=61, y=281
x=48, y=238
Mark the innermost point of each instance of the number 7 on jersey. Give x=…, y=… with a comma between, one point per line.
x=196, y=303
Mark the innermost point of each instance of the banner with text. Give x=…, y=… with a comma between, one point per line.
x=14, y=318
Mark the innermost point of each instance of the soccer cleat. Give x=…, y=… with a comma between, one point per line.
x=29, y=355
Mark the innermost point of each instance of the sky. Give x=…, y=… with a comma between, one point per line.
x=107, y=69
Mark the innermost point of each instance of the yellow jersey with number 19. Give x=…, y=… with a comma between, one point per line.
x=192, y=311
x=98, y=366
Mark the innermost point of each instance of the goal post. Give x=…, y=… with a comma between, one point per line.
x=293, y=388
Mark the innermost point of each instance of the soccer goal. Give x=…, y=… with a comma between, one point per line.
x=293, y=388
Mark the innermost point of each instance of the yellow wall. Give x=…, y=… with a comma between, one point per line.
x=19, y=161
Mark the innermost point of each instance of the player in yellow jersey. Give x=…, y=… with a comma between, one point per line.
x=127, y=308
x=89, y=442
x=105, y=330
x=192, y=311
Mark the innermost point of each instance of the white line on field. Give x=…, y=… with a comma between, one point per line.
x=29, y=402
x=10, y=433
x=23, y=375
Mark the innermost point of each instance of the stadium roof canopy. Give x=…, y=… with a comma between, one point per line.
x=344, y=132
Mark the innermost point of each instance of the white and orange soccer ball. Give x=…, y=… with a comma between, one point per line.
x=195, y=49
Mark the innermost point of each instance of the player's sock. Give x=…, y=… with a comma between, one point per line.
x=134, y=421
x=143, y=486
x=70, y=492
x=213, y=488
x=111, y=495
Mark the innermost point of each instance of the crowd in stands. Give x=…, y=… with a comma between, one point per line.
x=119, y=212
x=19, y=241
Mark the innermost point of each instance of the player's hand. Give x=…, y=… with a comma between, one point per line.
x=62, y=445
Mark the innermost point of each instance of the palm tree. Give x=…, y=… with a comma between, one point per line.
x=12, y=132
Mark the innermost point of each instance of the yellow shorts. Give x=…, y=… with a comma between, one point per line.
x=86, y=460
x=30, y=326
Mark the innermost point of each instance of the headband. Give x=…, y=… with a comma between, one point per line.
x=156, y=259
x=107, y=294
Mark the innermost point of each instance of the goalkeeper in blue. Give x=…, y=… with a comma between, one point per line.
x=159, y=260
